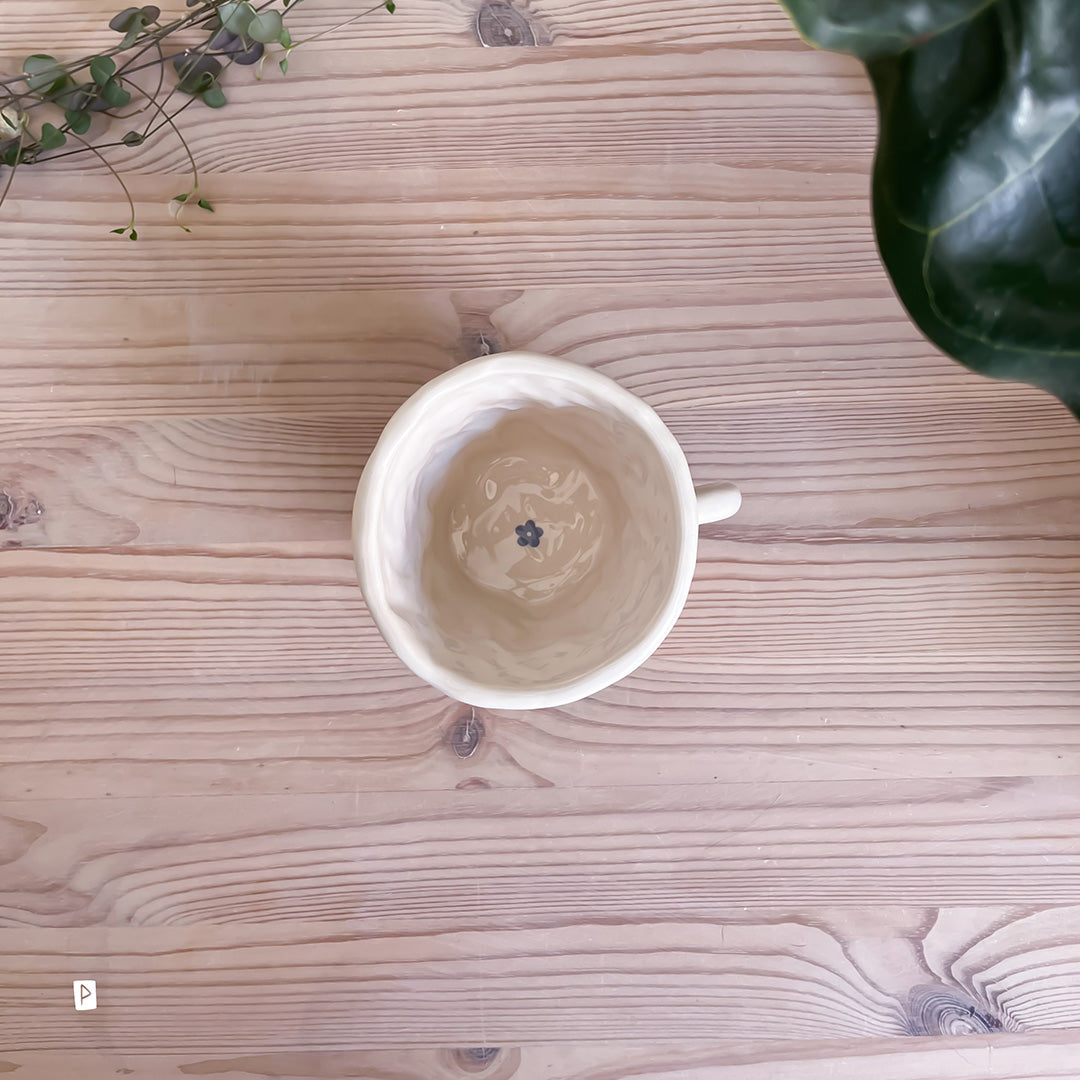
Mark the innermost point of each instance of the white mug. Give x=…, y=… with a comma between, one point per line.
x=525, y=531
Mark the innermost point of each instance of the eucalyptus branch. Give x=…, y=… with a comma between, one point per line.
x=239, y=32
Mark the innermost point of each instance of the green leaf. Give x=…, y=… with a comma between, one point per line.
x=265, y=27
x=196, y=73
x=123, y=21
x=390, y=6
x=205, y=205
x=869, y=28
x=51, y=137
x=236, y=17
x=976, y=189
x=133, y=235
x=102, y=69
x=284, y=65
x=214, y=97
x=132, y=138
x=115, y=94
x=44, y=75
x=150, y=13
x=285, y=38
x=182, y=197
x=120, y=231
x=78, y=121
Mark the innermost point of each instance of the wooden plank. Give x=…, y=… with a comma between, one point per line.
x=688, y=348
x=565, y=226
x=1000, y=1056
x=812, y=973
x=408, y=863
x=79, y=26
x=257, y=413
x=360, y=109
x=258, y=669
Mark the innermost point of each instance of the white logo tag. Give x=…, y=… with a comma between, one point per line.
x=85, y=995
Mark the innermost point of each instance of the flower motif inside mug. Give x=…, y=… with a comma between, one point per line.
x=529, y=534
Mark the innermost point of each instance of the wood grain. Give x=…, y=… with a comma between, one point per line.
x=511, y=859
x=381, y=230
x=426, y=23
x=821, y=973
x=830, y=829
x=366, y=109
x=258, y=669
x=257, y=415
x=1045, y=1056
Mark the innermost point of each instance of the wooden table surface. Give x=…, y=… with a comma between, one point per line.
x=839, y=808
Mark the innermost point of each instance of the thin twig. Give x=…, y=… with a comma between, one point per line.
x=119, y=179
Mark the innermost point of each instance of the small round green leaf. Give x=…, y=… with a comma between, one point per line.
x=214, y=97
x=44, y=75
x=51, y=137
x=284, y=65
x=236, y=16
x=102, y=69
x=196, y=72
x=151, y=13
x=78, y=121
x=122, y=21
x=115, y=94
x=265, y=27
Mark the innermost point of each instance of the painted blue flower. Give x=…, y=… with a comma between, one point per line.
x=529, y=534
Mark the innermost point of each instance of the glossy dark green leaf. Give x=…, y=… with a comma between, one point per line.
x=869, y=28
x=977, y=177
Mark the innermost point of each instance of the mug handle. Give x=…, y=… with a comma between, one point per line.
x=716, y=502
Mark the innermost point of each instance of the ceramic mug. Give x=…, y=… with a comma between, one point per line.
x=525, y=531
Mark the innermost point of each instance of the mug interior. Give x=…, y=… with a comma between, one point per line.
x=528, y=530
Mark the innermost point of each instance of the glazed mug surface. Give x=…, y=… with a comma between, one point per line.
x=525, y=531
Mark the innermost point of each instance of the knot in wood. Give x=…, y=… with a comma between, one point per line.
x=499, y=23
x=465, y=736
x=476, y=1059
x=934, y=1010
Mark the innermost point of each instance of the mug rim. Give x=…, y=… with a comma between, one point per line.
x=366, y=541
